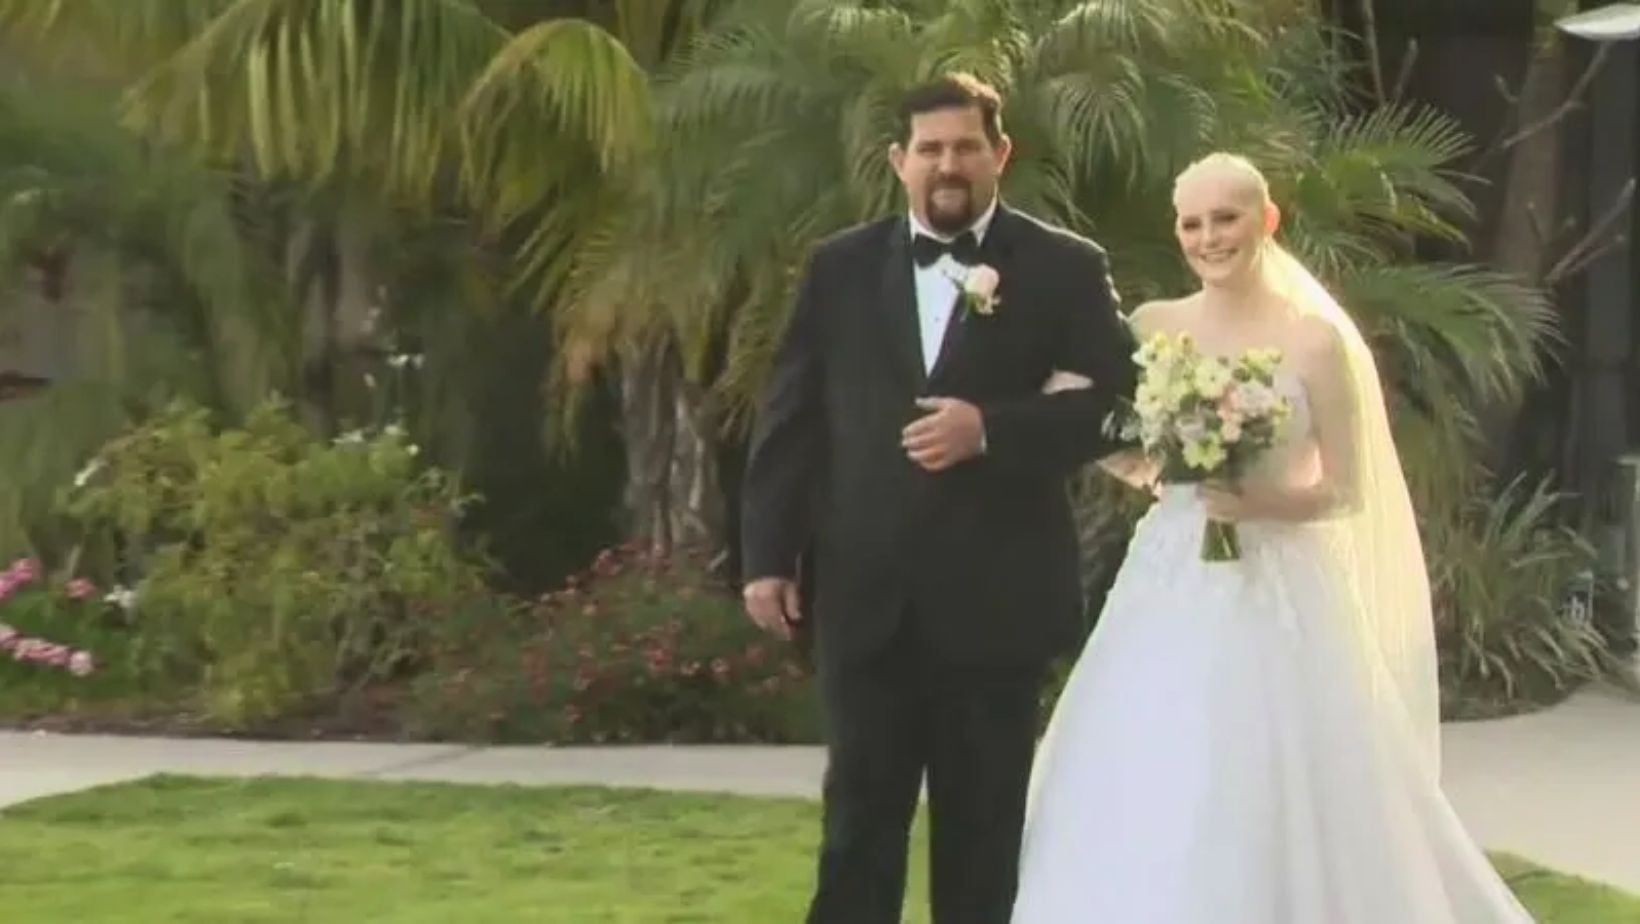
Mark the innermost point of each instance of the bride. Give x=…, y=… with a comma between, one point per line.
x=1257, y=741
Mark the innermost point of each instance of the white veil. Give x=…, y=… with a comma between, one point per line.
x=1378, y=538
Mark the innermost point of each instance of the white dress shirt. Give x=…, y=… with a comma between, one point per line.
x=938, y=285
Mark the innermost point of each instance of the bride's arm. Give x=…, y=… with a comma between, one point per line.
x=1132, y=467
x=1335, y=416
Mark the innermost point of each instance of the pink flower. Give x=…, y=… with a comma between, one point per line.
x=81, y=589
x=979, y=289
x=81, y=664
x=982, y=281
x=24, y=570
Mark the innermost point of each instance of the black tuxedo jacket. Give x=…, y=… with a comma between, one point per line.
x=984, y=555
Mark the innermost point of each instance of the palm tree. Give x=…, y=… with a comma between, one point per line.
x=362, y=130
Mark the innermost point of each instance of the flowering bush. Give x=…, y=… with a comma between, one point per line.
x=59, y=643
x=21, y=597
x=277, y=572
x=636, y=649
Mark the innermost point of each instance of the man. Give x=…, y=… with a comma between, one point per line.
x=905, y=437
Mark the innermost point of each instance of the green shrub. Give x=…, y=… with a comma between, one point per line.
x=636, y=649
x=273, y=571
x=1502, y=572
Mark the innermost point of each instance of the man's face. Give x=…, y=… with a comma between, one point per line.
x=949, y=167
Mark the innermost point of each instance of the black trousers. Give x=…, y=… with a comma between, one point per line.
x=890, y=719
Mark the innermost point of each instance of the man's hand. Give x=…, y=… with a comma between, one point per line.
x=772, y=604
x=952, y=431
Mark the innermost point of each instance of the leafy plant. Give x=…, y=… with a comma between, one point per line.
x=637, y=649
x=1503, y=575
x=273, y=570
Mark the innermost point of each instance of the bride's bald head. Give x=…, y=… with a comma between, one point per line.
x=1223, y=172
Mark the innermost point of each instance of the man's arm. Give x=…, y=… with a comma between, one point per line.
x=1056, y=432
x=787, y=445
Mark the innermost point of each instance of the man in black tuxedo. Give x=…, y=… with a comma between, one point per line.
x=907, y=442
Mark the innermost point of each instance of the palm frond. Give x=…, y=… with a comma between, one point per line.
x=562, y=86
x=119, y=39
x=316, y=89
x=1390, y=165
x=1483, y=328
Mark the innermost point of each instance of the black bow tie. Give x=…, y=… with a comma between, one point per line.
x=965, y=249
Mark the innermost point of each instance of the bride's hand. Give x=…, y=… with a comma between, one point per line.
x=1223, y=501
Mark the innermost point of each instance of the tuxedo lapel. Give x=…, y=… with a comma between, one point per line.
x=993, y=251
x=899, y=304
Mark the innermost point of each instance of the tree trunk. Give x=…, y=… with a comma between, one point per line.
x=311, y=273
x=1528, y=232
x=1529, y=214
x=673, y=494
x=329, y=270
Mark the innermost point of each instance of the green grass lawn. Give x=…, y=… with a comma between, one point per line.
x=178, y=850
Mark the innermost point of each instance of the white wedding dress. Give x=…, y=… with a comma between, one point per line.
x=1216, y=758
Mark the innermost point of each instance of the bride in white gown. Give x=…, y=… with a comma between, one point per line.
x=1257, y=741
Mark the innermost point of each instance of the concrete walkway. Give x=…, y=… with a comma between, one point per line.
x=1561, y=787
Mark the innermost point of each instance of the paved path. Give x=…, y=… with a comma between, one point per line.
x=1561, y=787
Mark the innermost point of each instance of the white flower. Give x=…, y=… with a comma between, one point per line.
x=81, y=664
x=89, y=472
x=1192, y=429
x=1252, y=399
x=121, y=596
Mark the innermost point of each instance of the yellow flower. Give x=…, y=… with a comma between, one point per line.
x=1204, y=455
x=1154, y=353
x=1211, y=379
x=1264, y=361
x=1147, y=401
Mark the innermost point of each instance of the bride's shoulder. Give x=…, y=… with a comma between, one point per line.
x=1162, y=315
x=1317, y=340
x=1317, y=354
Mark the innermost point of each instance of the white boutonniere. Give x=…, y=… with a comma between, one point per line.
x=978, y=289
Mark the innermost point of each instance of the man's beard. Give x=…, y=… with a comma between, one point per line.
x=951, y=221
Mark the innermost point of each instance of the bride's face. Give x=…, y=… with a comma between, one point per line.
x=1221, y=226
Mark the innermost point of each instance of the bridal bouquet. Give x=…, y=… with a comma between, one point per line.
x=1201, y=417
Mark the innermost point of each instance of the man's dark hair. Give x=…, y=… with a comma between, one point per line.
x=953, y=91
